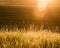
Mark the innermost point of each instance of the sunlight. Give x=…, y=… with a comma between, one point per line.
x=42, y=4
x=40, y=10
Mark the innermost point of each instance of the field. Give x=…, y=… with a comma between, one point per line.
x=29, y=39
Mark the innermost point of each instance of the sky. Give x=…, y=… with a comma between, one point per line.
x=23, y=2
x=18, y=2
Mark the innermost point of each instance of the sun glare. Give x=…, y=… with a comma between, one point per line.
x=41, y=8
x=42, y=4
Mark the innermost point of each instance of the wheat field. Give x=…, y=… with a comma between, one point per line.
x=29, y=39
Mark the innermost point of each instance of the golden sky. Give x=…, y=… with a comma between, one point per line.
x=18, y=2
x=24, y=2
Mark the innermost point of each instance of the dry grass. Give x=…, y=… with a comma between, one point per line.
x=29, y=39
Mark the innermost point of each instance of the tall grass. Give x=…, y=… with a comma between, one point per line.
x=29, y=39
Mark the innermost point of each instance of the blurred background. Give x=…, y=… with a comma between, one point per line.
x=23, y=13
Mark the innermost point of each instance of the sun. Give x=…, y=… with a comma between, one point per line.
x=42, y=4
x=40, y=10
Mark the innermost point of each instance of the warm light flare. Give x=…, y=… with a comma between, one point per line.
x=42, y=4
x=41, y=8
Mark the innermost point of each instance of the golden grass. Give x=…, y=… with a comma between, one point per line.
x=29, y=39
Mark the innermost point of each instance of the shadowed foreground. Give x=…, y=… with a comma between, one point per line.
x=29, y=39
